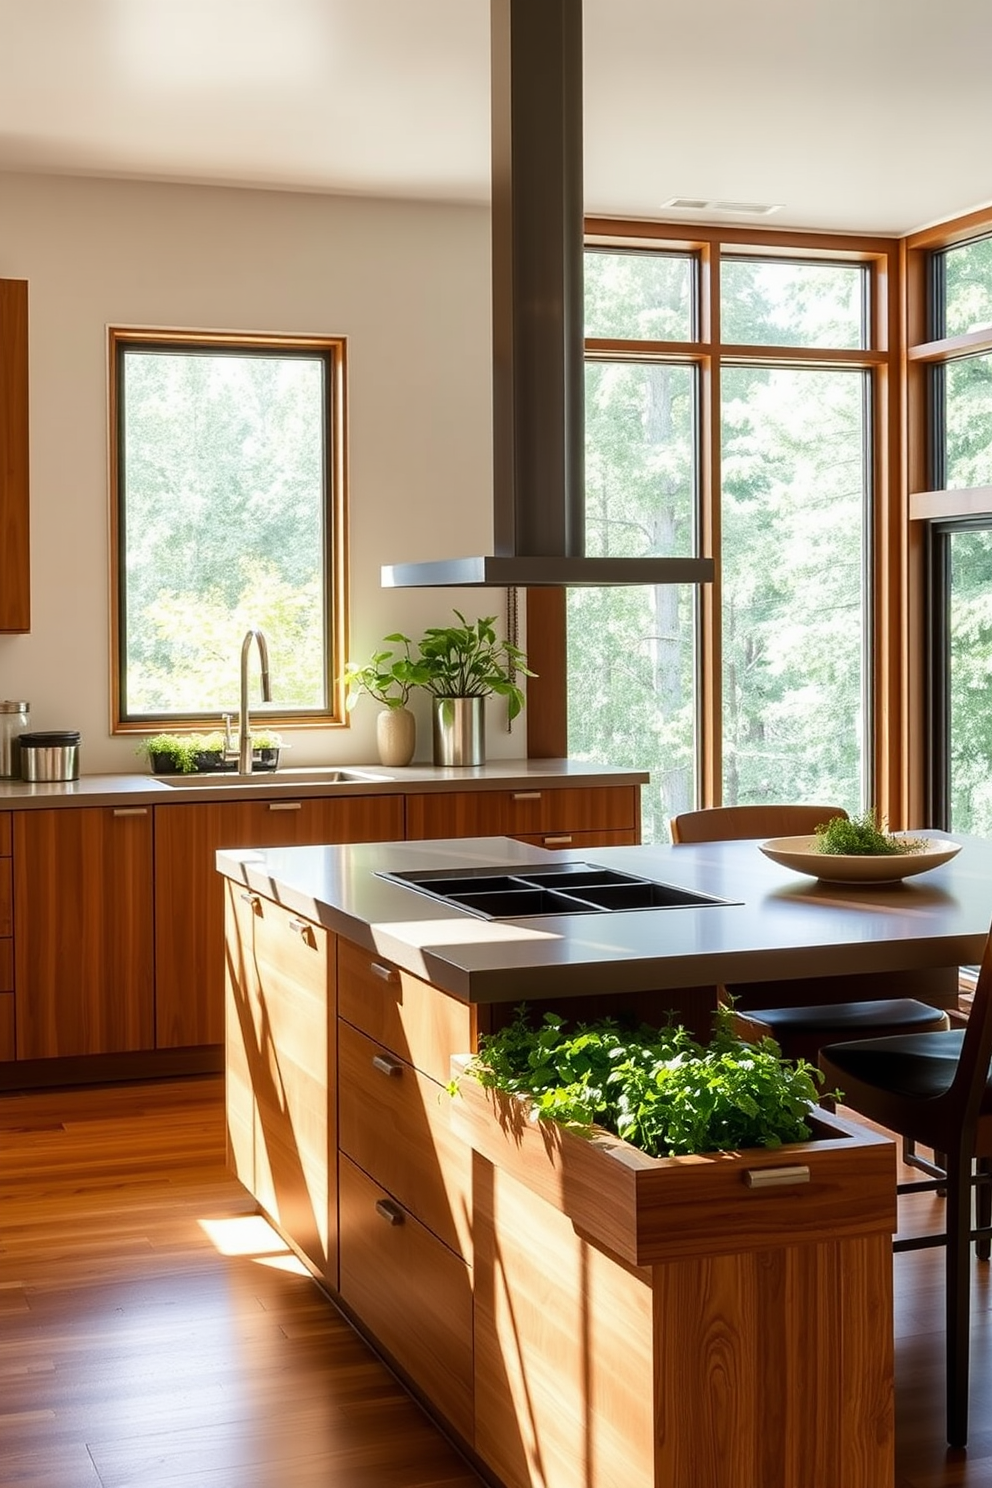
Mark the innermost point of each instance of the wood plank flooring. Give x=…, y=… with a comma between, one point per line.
x=154, y=1333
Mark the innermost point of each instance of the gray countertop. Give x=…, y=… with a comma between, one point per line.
x=142, y=789
x=782, y=924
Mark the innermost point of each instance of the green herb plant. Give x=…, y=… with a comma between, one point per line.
x=862, y=836
x=388, y=676
x=654, y=1087
x=468, y=660
x=183, y=749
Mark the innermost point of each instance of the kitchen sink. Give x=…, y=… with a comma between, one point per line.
x=569, y=888
x=280, y=779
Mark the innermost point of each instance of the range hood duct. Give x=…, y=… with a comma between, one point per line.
x=538, y=330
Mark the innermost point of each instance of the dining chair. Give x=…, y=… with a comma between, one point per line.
x=801, y=1030
x=933, y=1089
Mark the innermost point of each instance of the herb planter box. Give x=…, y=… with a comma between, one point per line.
x=210, y=761
x=718, y=1321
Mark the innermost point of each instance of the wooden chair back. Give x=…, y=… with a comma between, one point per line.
x=732, y=823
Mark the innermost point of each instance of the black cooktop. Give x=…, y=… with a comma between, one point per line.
x=567, y=888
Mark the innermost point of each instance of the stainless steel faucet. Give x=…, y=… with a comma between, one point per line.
x=244, y=725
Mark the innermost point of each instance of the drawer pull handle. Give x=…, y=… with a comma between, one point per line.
x=384, y=973
x=776, y=1177
x=558, y=841
x=130, y=810
x=386, y=1064
x=285, y=805
x=250, y=898
x=526, y=795
x=302, y=928
x=390, y=1212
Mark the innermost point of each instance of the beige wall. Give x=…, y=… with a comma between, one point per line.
x=408, y=284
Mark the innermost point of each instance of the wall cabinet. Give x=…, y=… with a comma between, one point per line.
x=15, y=565
x=189, y=894
x=83, y=935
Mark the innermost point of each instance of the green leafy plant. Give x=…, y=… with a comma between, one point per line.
x=468, y=660
x=862, y=836
x=387, y=676
x=183, y=751
x=657, y=1088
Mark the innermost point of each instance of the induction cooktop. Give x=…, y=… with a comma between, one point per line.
x=567, y=888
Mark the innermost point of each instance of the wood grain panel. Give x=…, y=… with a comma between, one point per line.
x=509, y=813
x=625, y=837
x=647, y=1209
x=189, y=893
x=6, y=965
x=281, y=1003
x=393, y=1122
x=15, y=557
x=6, y=834
x=563, y=1350
x=6, y=897
x=83, y=932
x=413, y=1294
x=410, y=1017
x=8, y=1045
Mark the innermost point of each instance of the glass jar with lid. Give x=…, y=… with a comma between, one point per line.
x=14, y=719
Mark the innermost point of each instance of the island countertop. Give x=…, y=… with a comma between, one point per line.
x=776, y=924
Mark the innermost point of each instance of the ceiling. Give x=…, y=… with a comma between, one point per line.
x=855, y=115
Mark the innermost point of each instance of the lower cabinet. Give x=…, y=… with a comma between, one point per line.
x=189, y=895
x=8, y=1046
x=566, y=816
x=281, y=1071
x=83, y=933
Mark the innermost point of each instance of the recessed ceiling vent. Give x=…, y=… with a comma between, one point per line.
x=739, y=209
x=538, y=332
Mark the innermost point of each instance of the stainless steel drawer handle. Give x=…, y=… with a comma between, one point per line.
x=390, y=1212
x=384, y=973
x=386, y=1064
x=130, y=810
x=301, y=927
x=776, y=1177
x=526, y=795
x=285, y=805
x=250, y=898
x=558, y=841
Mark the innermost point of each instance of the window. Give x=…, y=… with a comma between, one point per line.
x=228, y=512
x=730, y=400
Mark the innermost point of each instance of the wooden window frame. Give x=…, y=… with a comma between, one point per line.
x=887, y=763
x=333, y=351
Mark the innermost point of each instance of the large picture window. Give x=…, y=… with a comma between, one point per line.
x=228, y=508
x=730, y=400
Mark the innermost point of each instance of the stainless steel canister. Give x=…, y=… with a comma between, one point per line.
x=50, y=756
x=13, y=721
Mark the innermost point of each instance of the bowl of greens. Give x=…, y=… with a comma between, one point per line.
x=860, y=849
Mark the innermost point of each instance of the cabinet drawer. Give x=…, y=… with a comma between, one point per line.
x=393, y=1122
x=407, y=1016
x=412, y=1292
x=510, y=813
x=6, y=966
x=5, y=834
x=625, y=837
x=8, y=1046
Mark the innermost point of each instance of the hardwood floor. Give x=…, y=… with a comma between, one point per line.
x=155, y=1334
x=135, y=1353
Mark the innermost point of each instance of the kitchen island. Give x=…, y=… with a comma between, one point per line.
x=720, y=1322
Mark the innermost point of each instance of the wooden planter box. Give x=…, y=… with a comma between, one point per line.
x=722, y=1321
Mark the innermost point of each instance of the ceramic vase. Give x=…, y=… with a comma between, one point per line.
x=396, y=736
x=459, y=731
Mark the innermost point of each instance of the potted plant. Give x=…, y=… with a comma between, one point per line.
x=389, y=677
x=461, y=665
x=194, y=754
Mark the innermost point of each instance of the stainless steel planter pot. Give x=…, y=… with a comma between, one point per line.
x=460, y=731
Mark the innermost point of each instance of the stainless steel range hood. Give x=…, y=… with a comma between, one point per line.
x=538, y=372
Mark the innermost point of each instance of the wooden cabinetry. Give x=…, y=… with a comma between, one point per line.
x=83, y=931
x=7, y=1040
x=405, y=1194
x=281, y=1060
x=566, y=816
x=15, y=566
x=189, y=895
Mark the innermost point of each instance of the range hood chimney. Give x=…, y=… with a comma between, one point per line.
x=538, y=314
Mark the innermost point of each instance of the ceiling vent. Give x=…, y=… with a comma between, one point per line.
x=538, y=329
x=739, y=209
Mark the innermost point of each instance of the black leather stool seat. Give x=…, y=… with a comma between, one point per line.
x=921, y=1066
x=802, y=1031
